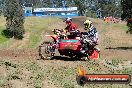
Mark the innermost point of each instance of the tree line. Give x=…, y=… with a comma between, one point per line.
x=85, y=7
x=127, y=13
x=13, y=11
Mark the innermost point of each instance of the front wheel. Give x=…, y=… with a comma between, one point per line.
x=46, y=52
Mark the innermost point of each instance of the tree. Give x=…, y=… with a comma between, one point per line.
x=1, y=6
x=46, y=3
x=14, y=19
x=90, y=7
x=81, y=6
x=127, y=9
x=109, y=7
x=127, y=13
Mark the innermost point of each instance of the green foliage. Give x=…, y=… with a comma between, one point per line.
x=1, y=6
x=81, y=6
x=14, y=19
x=110, y=8
x=127, y=9
x=45, y=3
x=91, y=14
x=127, y=13
x=18, y=33
x=2, y=37
x=129, y=24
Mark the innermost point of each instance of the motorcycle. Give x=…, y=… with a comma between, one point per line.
x=67, y=47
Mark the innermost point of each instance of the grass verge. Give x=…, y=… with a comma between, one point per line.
x=34, y=27
x=32, y=74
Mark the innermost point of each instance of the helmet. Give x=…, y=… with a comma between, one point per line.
x=68, y=21
x=68, y=18
x=87, y=23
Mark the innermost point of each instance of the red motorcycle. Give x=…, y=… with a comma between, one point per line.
x=68, y=47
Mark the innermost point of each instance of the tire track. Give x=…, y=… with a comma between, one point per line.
x=104, y=43
x=19, y=53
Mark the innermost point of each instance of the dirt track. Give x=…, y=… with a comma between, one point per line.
x=20, y=53
x=112, y=43
x=112, y=46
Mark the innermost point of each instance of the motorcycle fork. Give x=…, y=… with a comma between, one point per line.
x=51, y=48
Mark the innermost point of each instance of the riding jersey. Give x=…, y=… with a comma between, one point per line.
x=93, y=34
x=72, y=27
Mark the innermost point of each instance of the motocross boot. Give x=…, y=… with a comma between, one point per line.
x=85, y=55
x=97, y=49
x=83, y=51
x=86, y=58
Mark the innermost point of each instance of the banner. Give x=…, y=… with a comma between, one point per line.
x=55, y=9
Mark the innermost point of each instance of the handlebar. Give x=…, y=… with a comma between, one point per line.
x=75, y=31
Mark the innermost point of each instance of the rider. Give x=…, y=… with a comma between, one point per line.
x=92, y=34
x=71, y=27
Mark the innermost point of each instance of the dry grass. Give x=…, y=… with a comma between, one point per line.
x=34, y=27
x=30, y=73
x=58, y=74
